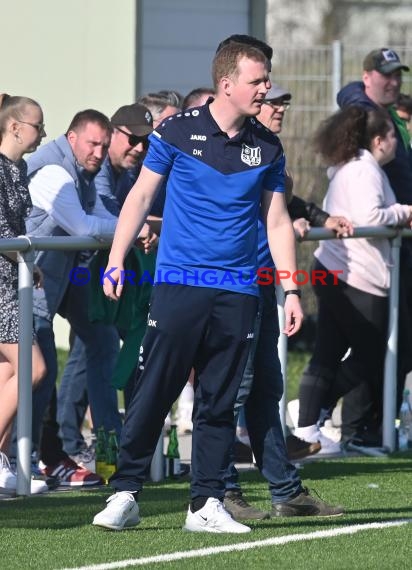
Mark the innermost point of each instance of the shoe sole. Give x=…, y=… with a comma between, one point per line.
x=13, y=492
x=81, y=484
x=8, y=492
x=116, y=527
x=262, y=517
x=275, y=514
x=243, y=517
x=215, y=530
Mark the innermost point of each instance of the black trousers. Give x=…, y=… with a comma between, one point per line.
x=358, y=410
x=210, y=330
x=347, y=318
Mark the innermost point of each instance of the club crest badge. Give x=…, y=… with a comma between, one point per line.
x=251, y=155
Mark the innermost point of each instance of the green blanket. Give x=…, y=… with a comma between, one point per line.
x=129, y=314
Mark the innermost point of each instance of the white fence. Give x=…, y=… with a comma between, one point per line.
x=26, y=246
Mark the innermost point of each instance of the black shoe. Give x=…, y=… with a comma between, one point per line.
x=240, y=510
x=364, y=438
x=303, y=505
x=298, y=448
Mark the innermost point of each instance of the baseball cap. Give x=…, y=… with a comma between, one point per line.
x=384, y=61
x=137, y=118
x=277, y=92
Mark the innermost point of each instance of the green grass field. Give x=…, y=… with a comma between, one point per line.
x=53, y=531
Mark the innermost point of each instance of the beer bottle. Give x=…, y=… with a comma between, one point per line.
x=172, y=454
x=101, y=453
x=111, y=454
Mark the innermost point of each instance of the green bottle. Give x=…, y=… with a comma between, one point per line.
x=112, y=450
x=101, y=453
x=172, y=454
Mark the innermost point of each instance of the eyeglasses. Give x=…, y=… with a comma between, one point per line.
x=134, y=140
x=277, y=103
x=38, y=126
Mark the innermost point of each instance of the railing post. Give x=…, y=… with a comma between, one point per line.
x=283, y=355
x=157, y=467
x=24, y=416
x=390, y=370
x=336, y=71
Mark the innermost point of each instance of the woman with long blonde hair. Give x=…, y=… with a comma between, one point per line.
x=21, y=131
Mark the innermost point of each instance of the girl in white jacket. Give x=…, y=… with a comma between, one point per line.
x=353, y=309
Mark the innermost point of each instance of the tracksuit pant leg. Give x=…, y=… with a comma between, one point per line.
x=209, y=329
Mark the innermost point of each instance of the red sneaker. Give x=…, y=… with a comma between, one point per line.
x=70, y=474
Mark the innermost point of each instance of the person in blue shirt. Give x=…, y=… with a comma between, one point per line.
x=261, y=388
x=224, y=169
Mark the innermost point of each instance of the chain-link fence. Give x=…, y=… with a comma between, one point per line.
x=314, y=76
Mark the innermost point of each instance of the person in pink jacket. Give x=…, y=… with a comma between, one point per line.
x=353, y=300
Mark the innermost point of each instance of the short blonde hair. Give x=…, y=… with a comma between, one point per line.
x=225, y=63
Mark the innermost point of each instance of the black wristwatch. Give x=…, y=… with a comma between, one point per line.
x=297, y=292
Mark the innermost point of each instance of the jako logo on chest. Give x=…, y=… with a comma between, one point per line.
x=198, y=137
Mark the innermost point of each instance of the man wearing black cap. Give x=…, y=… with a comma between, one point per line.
x=380, y=87
x=132, y=126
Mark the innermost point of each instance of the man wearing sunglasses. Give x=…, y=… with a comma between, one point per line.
x=132, y=125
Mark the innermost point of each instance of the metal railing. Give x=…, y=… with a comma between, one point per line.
x=25, y=246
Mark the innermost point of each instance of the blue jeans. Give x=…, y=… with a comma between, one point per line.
x=101, y=347
x=73, y=399
x=260, y=391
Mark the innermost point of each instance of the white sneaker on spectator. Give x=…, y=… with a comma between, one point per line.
x=331, y=431
x=213, y=517
x=121, y=512
x=8, y=479
x=312, y=434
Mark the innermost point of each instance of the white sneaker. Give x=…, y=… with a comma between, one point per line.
x=312, y=434
x=121, y=512
x=213, y=517
x=328, y=445
x=8, y=479
x=331, y=431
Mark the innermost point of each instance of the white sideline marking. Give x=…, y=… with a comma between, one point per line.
x=353, y=529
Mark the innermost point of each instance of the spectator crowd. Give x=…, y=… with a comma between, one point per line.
x=189, y=186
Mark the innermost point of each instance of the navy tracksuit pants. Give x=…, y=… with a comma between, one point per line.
x=210, y=330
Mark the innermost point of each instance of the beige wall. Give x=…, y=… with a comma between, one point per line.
x=69, y=55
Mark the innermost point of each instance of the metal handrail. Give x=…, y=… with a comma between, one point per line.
x=26, y=245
